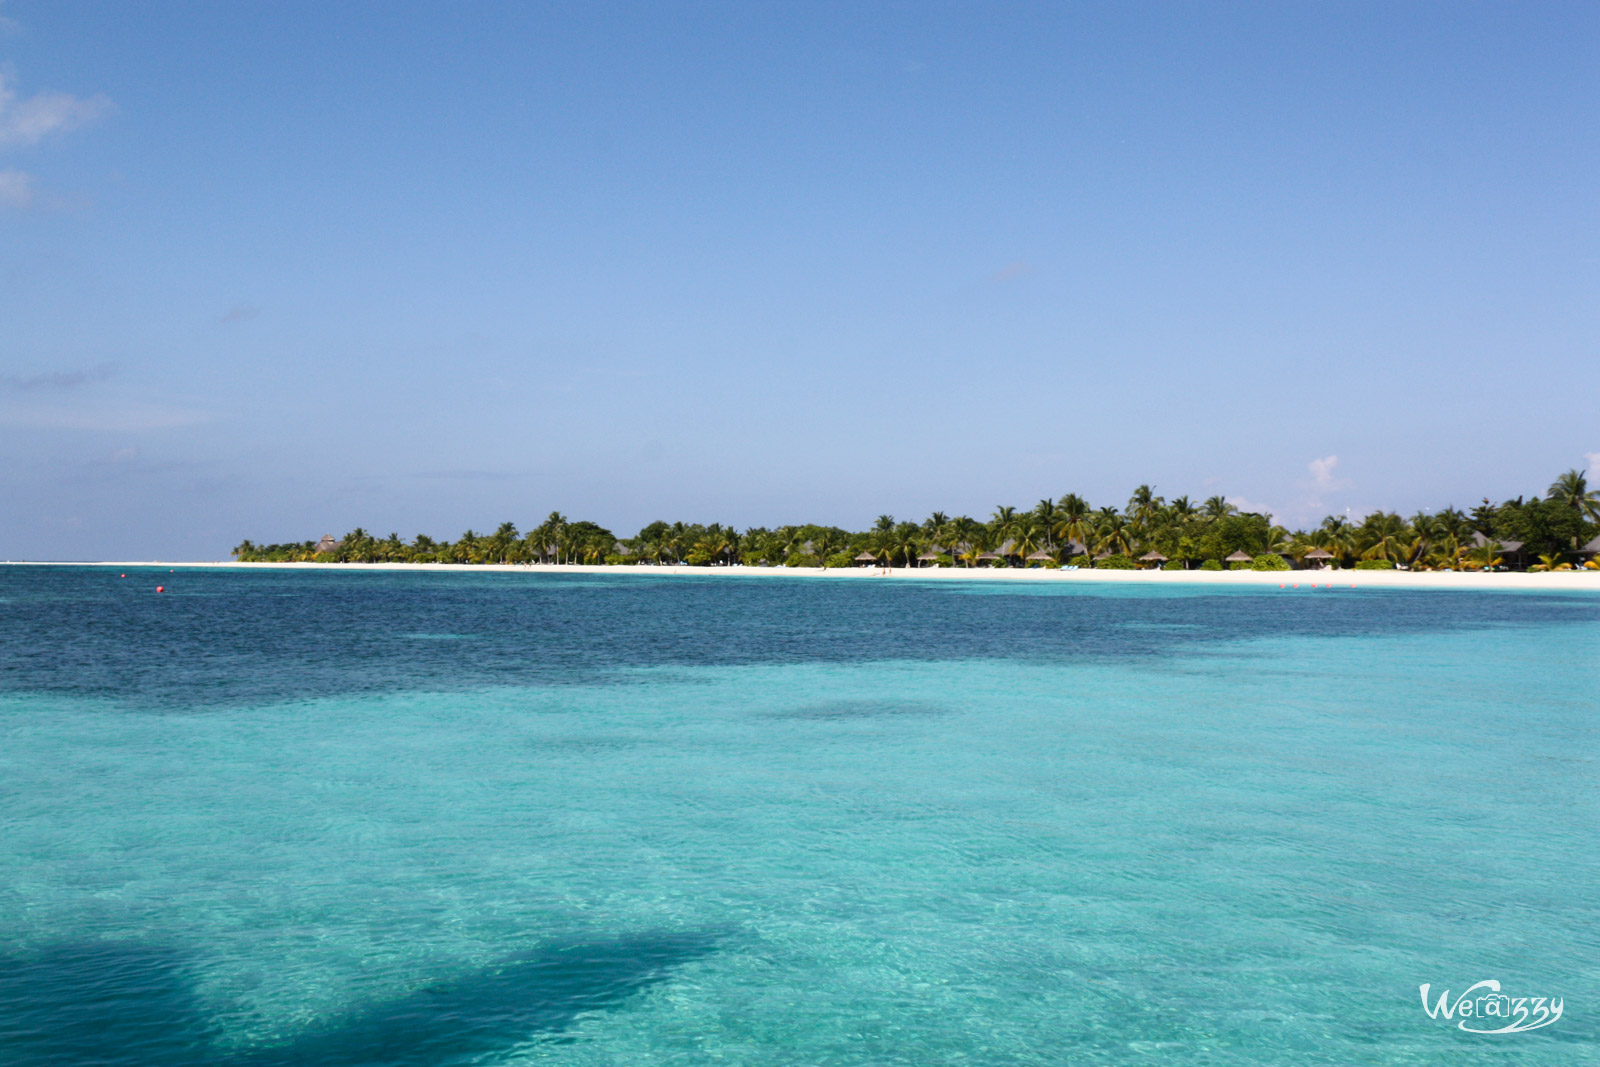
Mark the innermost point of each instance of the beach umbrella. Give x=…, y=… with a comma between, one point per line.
x=1152, y=557
x=866, y=557
x=1239, y=557
x=988, y=555
x=929, y=555
x=1319, y=553
x=1041, y=556
x=1105, y=553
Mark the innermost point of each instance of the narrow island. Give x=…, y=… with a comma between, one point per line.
x=1558, y=530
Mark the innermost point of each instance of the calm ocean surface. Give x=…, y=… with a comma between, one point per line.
x=273, y=818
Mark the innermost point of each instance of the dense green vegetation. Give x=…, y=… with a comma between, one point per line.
x=1547, y=531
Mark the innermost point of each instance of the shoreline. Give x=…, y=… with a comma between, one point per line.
x=1563, y=581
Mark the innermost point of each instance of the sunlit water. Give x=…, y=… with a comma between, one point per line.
x=363, y=818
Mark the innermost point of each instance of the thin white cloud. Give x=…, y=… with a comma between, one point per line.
x=1594, y=463
x=131, y=418
x=27, y=121
x=72, y=400
x=1011, y=272
x=1322, y=476
x=16, y=189
x=59, y=379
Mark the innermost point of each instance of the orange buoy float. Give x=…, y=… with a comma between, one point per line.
x=161, y=589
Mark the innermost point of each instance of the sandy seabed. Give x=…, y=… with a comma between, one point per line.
x=1585, y=581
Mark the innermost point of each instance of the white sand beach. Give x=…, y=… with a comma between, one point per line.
x=1565, y=581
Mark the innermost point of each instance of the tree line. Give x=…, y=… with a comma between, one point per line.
x=1546, y=531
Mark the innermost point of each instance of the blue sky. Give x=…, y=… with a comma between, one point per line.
x=275, y=270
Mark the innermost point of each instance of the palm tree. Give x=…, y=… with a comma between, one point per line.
x=1382, y=536
x=1572, y=489
x=1217, y=507
x=465, y=549
x=1031, y=536
x=1111, y=532
x=884, y=524
x=1452, y=523
x=500, y=541
x=904, y=541
x=1486, y=555
x=1279, y=540
x=825, y=543
x=1443, y=550
x=1076, y=522
x=880, y=543
x=1181, y=509
x=1003, y=522
x=1048, y=514
x=795, y=542
x=676, y=540
x=965, y=530
x=550, y=531
x=1426, y=533
x=1143, y=506
x=1337, y=536
x=1073, y=505
x=714, y=544
x=978, y=541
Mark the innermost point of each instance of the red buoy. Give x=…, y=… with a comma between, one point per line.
x=161, y=589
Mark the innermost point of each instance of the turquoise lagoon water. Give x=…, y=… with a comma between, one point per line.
x=379, y=818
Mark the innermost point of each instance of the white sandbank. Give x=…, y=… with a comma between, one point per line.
x=1566, y=581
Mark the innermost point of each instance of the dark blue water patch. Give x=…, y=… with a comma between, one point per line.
x=228, y=637
x=119, y=1004
x=101, y=1003
x=847, y=710
x=536, y=994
